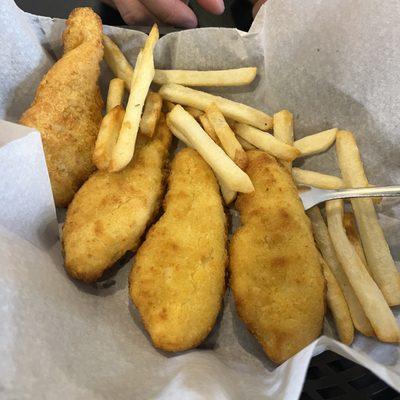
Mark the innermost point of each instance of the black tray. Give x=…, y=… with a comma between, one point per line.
x=330, y=376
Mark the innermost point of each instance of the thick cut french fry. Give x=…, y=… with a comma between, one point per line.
x=230, y=174
x=205, y=123
x=352, y=233
x=315, y=179
x=141, y=80
x=244, y=143
x=115, y=94
x=317, y=143
x=338, y=306
x=151, y=114
x=228, y=77
x=201, y=100
x=226, y=136
x=371, y=298
x=324, y=243
x=117, y=62
x=228, y=194
x=283, y=130
x=194, y=112
x=266, y=142
x=376, y=249
x=107, y=137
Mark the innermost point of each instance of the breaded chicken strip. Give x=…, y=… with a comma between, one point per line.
x=67, y=107
x=178, y=278
x=276, y=276
x=111, y=211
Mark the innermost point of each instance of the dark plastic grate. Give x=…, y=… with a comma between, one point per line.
x=330, y=376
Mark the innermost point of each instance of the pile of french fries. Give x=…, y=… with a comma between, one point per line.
x=361, y=277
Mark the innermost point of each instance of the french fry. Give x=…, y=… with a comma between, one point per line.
x=141, y=80
x=194, y=112
x=266, y=142
x=325, y=246
x=228, y=77
x=226, y=136
x=352, y=233
x=201, y=100
x=151, y=114
x=376, y=249
x=117, y=62
x=107, y=137
x=283, y=131
x=338, y=306
x=316, y=179
x=244, y=143
x=227, y=194
x=304, y=177
x=371, y=298
x=115, y=94
x=121, y=67
x=205, y=123
x=230, y=174
x=137, y=66
x=230, y=122
x=178, y=134
x=317, y=143
x=168, y=106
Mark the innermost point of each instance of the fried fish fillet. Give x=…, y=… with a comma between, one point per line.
x=178, y=278
x=276, y=276
x=111, y=211
x=67, y=106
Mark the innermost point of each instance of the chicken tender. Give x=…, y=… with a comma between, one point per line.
x=276, y=276
x=67, y=107
x=178, y=278
x=111, y=211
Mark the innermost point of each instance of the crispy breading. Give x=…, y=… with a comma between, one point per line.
x=67, y=106
x=276, y=276
x=111, y=211
x=178, y=278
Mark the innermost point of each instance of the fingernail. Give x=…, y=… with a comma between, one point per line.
x=189, y=22
x=219, y=7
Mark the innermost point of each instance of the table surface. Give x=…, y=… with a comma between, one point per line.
x=329, y=376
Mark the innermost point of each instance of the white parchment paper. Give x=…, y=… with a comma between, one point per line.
x=332, y=63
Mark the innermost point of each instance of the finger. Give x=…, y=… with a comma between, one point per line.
x=213, y=6
x=110, y=3
x=133, y=12
x=257, y=7
x=172, y=12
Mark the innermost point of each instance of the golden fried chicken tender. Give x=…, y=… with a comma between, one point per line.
x=276, y=276
x=178, y=278
x=111, y=211
x=67, y=106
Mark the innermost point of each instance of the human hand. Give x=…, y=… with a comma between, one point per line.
x=169, y=12
x=257, y=6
